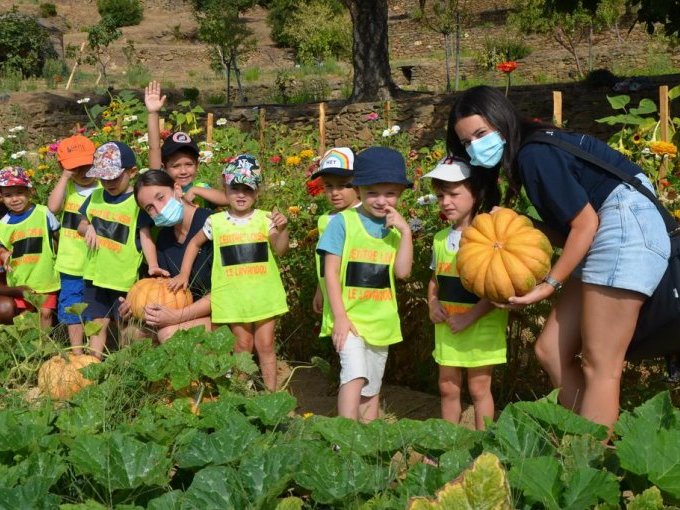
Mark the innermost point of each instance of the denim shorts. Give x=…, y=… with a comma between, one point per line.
x=72, y=292
x=631, y=246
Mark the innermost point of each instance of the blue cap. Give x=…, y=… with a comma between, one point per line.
x=380, y=165
x=110, y=160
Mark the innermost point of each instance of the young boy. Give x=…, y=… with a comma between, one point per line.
x=27, y=235
x=178, y=155
x=365, y=248
x=75, y=155
x=336, y=170
x=117, y=232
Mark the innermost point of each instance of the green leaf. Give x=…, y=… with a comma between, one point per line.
x=559, y=420
x=290, y=503
x=588, y=486
x=22, y=431
x=539, y=480
x=216, y=487
x=28, y=495
x=221, y=447
x=618, y=102
x=674, y=92
x=90, y=504
x=91, y=328
x=76, y=308
x=169, y=501
x=266, y=471
x=622, y=119
x=452, y=463
x=348, y=435
x=116, y=461
x=517, y=436
x=658, y=412
x=580, y=452
x=646, y=106
x=441, y=435
x=421, y=480
x=650, y=499
x=87, y=418
x=271, y=408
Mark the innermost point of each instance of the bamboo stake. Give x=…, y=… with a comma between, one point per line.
x=119, y=128
x=261, y=128
x=388, y=107
x=322, y=128
x=557, y=108
x=209, y=128
x=77, y=128
x=75, y=66
x=664, y=115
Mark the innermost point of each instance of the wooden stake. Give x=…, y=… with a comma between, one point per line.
x=161, y=124
x=261, y=128
x=209, y=128
x=119, y=128
x=75, y=66
x=322, y=128
x=388, y=106
x=77, y=127
x=557, y=108
x=664, y=115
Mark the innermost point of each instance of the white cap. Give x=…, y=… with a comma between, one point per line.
x=449, y=169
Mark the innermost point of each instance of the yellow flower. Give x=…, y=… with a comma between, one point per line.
x=107, y=129
x=436, y=154
x=313, y=234
x=293, y=160
x=306, y=416
x=676, y=214
x=43, y=167
x=195, y=131
x=637, y=139
x=43, y=150
x=294, y=210
x=30, y=173
x=307, y=154
x=663, y=148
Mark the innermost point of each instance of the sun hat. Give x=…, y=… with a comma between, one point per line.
x=75, y=151
x=243, y=169
x=14, y=176
x=377, y=165
x=110, y=160
x=336, y=161
x=178, y=141
x=449, y=169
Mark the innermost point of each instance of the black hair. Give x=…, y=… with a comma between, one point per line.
x=153, y=178
x=182, y=150
x=491, y=104
x=485, y=195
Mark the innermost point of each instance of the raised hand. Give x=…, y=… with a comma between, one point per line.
x=152, y=97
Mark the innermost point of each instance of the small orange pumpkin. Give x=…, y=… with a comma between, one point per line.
x=60, y=377
x=150, y=291
x=502, y=255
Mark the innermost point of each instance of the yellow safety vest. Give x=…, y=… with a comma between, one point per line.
x=72, y=252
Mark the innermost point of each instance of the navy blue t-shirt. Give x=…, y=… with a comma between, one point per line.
x=171, y=252
x=143, y=219
x=560, y=185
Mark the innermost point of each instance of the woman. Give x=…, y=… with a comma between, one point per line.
x=179, y=221
x=615, y=245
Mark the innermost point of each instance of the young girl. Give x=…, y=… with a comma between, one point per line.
x=247, y=291
x=336, y=169
x=27, y=234
x=469, y=332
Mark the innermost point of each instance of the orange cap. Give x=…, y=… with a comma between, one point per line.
x=75, y=151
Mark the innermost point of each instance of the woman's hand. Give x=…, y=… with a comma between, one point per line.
x=91, y=238
x=157, y=271
x=160, y=316
x=124, y=309
x=152, y=97
x=341, y=327
x=538, y=293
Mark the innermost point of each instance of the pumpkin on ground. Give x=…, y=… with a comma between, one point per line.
x=60, y=377
x=151, y=291
x=502, y=255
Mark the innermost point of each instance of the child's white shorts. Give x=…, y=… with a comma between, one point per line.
x=361, y=360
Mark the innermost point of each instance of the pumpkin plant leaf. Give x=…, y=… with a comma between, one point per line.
x=266, y=472
x=560, y=420
x=650, y=499
x=271, y=408
x=586, y=487
x=538, y=478
x=215, y=487
x=517, y=436
x=76, y=309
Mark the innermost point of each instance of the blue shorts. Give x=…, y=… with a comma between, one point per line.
x=102, y=303
x=72, y=292
x=631, y=246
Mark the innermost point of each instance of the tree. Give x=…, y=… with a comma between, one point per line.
x=370, y=51
x=99, y=37
x=221, y=25
x=445, y=17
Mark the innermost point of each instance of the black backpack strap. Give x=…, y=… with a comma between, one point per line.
x=548, y=138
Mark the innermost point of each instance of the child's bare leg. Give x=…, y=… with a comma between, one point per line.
x=244, y=336
x=266, y=354
x=98, y=341
x=349, y=398
x=46, y=318
x=479, y=385
x=75, y=336
x=450, y=382
x=369, y=408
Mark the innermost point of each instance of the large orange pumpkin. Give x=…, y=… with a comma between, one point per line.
x=151, y=291
x=502, y=255
x=60, y=377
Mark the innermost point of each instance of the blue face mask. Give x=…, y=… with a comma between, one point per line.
x=171, y=214
x=486, y=151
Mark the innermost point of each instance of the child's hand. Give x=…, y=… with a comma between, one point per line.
x=152, y=97
x=157, y=271
x=124, y=309
x=190, y=194
x=341, y=327
x=396, y=220
x=437, y=312
x=4, y=257
x=317, y=302
x=459, y=321
x=278, y=220
x=68, y=174
x=91, y=238
x=179, y=282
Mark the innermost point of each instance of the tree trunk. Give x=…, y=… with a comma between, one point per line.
x=447, y=61
x=237, y=73
x=370, y=51
x=457, y=71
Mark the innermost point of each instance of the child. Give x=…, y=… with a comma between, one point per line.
x=469, y=332
x=27, y=235
x=247, y=291
x=179, y=154
x=75, y=155
x=365, y=248
x=117, y=232
x=336, y=172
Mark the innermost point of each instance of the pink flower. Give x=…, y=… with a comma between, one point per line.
x=372, y=116
x=54, y=147
x=275, y=160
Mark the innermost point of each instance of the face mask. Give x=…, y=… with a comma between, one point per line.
x=171, y=214
x=486, y=151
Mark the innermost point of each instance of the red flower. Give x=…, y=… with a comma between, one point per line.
x=315, y=187
x=81, y=130
x=109, y=124
x=664, y=183
x=507, y=67
x=275, y=160
x=165, y=133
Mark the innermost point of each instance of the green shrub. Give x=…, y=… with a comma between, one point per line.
x=281, y=12
x=252, y=74
x=191, y=94
x=217, y=98
x=138, y=75
x=10, y=79
x=124, y=13
x=54, y=71
x=502, y=49
x=48, y=10
x=24, y=44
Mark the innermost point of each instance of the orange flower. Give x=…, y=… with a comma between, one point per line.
x=663, y=149
x=507, y=67
x=293, y=160
x=293, y=210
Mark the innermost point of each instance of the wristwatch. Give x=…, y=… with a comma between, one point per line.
x=552, y=282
